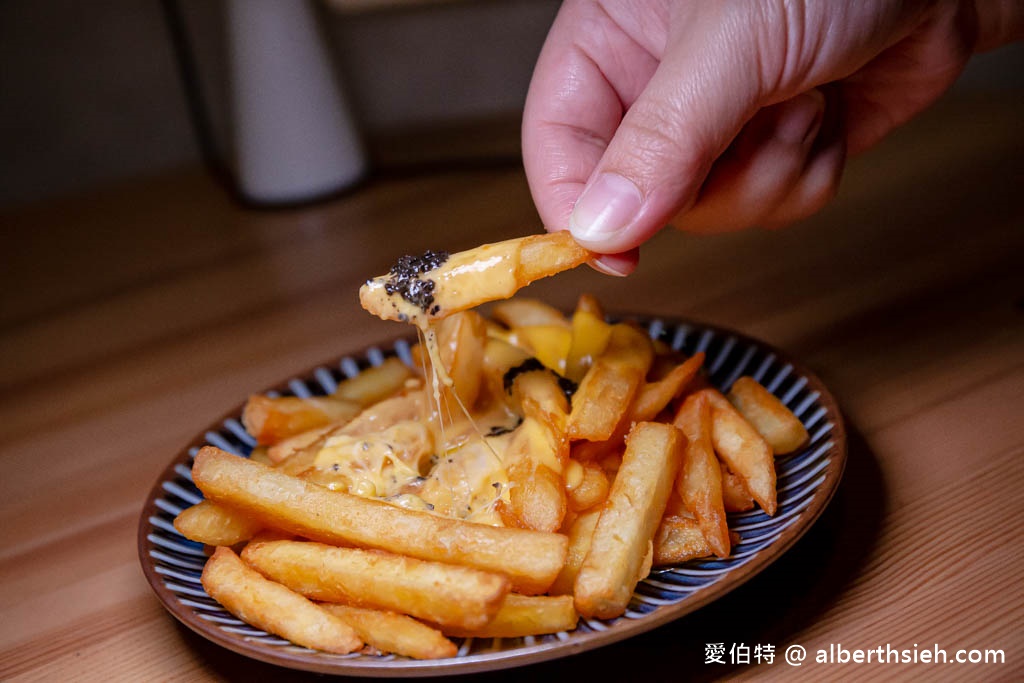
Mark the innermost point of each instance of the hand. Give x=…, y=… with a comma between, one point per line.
x=723, y=115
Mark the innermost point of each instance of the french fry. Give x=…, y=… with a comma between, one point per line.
x=586, y=485
x=735, y=497
x=537, y=498
x=608, y=388
x=273, y=608
x=375, y=418
x=588, y=303
x=700, y=478
x=679, y=539
x=537, y=454
x=374, y=383
x=530, y=559
x=214, y=524
x=580, y=534
x=524, y=312
x=460, y=340
x=745, y=452
x=770, y=417
x=622, y=541
x=500, y=356
x=440, y=287
x=440, y=593
x=523, y=615
x=393, y=632
x=651, y=399
x=272, y=419
x=259, y=454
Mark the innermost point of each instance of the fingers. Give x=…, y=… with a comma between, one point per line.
x=588, y=72
x=706, y=87
x=763, y=169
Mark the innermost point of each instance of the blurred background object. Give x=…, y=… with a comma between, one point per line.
x=92, y=93
x=293, y=132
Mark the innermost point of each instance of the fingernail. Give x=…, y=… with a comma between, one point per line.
x=800, y=118
x=609, y=266
x=607, y=206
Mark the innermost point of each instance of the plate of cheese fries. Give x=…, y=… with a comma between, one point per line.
x=490, y=489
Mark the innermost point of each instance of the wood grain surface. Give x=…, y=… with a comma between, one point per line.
x=134, y=315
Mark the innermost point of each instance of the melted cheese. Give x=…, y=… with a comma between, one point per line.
x=429, y=461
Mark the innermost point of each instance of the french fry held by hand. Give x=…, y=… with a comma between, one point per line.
x=437, y=592
x=531, y=559
x=435, y=285
x=272, y=607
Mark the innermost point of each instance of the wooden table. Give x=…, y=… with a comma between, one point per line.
x=134, y=315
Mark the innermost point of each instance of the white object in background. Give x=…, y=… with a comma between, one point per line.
x=294, y=135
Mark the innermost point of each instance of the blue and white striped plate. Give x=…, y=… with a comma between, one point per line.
x=807, y=480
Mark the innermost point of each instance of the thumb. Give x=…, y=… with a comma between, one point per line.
x=706, y=87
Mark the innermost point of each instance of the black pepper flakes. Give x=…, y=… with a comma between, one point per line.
x=404, y=278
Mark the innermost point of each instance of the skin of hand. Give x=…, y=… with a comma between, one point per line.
x=716, y=116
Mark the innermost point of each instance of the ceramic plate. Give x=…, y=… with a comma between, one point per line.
x=806, y=481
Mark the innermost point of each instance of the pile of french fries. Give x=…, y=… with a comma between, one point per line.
x=563, y=458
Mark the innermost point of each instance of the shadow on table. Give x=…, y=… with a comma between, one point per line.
x=786, y=598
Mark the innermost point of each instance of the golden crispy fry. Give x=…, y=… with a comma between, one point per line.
x=522, y=615
x=460, y=340
x=538, y=395
x=260, y=454
x=389, y=412
x=537, y=454
x=588, y=303
x=530, y=559
x=651, y=399
x=654, y=397
x=622, y=542
x=393, y=632
x=469, y=278
x=500, y=356
x=534, y=462
x=580, y=534
x=375, y=418
x=285, y=448
x=735, y=497
x=700, y=478
x=214, y=524
x=441, y=593
x=273, y=608
x=739, y=445
x=524, y=312
x=586, y=485
x=272, y=419
x=679, y=539
x=375, y=383
x=608, y=388
x=771, y=418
